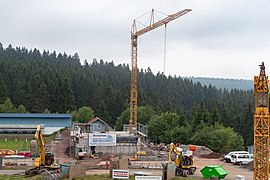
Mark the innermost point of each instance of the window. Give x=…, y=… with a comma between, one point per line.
x=243, y=156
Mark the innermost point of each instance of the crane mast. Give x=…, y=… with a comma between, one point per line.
x=134, y=51
x=261, y=126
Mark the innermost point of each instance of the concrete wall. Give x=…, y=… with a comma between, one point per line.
x=76, y=171
x=122, y=149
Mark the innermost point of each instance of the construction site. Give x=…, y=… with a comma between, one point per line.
x=78, y=156
x=60, y=148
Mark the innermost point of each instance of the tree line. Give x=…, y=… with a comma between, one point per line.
x=59, y=83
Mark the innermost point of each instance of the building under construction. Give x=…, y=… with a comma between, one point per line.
x=96, y=136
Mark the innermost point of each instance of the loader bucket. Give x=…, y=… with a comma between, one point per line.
x=214, y=171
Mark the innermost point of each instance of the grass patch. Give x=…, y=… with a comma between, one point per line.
x=15, y=144
x=21, y=142
x=15, y=167
x=8, y=177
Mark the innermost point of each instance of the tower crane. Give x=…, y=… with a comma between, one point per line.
x=134, y=75
x=261, y=126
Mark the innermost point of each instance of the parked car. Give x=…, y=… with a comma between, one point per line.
x=228, y=157
x=241, y=158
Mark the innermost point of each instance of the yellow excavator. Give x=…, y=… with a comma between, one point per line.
x=45, y=161
x=183, y=160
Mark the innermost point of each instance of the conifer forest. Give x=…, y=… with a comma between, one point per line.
x=50, y=82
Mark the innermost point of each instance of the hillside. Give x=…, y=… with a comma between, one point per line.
x=224, y=83
x=54, y=82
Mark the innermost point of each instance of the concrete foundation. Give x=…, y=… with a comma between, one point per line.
x=171, y=170
x=119, y=149
x=117, y=163
x=123, y=163
x=76, y=171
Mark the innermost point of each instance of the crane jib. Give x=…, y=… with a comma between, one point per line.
x=161, y=22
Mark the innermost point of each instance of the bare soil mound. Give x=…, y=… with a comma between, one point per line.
x=60, y=147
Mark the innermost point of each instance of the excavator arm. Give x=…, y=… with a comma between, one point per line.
x=40, y=139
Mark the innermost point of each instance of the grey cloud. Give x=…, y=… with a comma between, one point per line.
x=100, y=29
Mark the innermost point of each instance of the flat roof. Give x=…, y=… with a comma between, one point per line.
x=35, y=115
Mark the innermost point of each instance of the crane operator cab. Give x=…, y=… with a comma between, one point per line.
x=184, y=153
x=49, y=159
x=187, y=158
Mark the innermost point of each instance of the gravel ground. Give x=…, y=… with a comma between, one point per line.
x=200, y=163
x=232, y=170
x=92, y=167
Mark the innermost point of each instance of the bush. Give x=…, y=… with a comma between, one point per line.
x=218, y=138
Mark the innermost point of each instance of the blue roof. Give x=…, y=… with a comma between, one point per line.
x=49, y=120
x=35, y=115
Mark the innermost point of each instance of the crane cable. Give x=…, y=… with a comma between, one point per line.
x=165, y=47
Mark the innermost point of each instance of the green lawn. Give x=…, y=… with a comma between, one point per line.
x=15, y=144
x=6, y=177
x=20, y=142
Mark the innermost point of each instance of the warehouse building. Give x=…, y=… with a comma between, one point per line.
x=19, y=123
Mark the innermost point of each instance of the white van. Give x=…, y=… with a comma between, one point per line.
x=228, y=157
x=241, y=158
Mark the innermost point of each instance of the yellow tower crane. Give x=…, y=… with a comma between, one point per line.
x=261, y=126
x=134, y=74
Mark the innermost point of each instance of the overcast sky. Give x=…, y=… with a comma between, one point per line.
x=218, y=38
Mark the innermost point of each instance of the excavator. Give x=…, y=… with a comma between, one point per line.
x=183, y=160
x=45, y=161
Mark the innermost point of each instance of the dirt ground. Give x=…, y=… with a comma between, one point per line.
x=200, y=163
x=232, y=170
x=98, y=166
